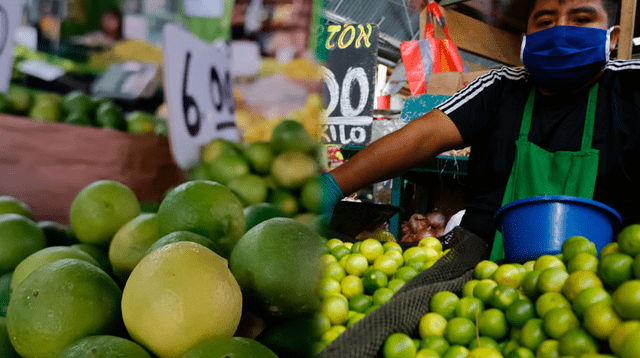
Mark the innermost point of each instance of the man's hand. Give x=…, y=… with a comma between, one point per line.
x=331, y=195
x=393, y=155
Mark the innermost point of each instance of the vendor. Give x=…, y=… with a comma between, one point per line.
x=568, y=123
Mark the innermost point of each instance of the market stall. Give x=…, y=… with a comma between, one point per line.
x=395, y=285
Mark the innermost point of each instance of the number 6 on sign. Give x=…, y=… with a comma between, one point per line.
x=188, y=102
x=198, y=88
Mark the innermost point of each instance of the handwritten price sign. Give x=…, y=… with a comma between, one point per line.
x=349, y=80
x=10, y=15
x=197, y=79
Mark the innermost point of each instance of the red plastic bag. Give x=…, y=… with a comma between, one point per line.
x=431, y=55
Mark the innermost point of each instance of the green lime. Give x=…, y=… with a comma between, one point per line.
x=405, y=273
x=444, y=303
x=436, y=343
x=460, y=331
x=360, y=302
x=398, y=345
x=576, y=342
x=76, y=297
x=19, y=238
x=285, y=201
x=101, y=209
x=503, y=296
x=237, y=347
x=10, y=205
x=493, y=323
x=558, y=321
x=291, y=135
x=520, y=312
x=249, y=188
x=615, y=269
x=382, y=296
x=140, y=123
x=205, y=208
x=532, y=334
x=373, y=280
x=103, y=347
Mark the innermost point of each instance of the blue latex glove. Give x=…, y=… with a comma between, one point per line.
x=331, y=195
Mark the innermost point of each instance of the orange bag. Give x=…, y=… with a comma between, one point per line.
x=431, y=55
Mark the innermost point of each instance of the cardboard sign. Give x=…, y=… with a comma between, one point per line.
x=349, y=79
x=197, y=79
x=10, y=15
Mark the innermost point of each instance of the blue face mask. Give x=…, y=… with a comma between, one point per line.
x=563, y=58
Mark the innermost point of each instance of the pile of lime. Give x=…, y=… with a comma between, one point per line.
x=363, y=275
x=179, y=282
x=579, y=303
x=272, y=178
x=78, y=108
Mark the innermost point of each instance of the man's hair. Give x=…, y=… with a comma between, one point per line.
x=611, y=6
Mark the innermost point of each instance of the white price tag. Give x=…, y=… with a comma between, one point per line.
x=198, y=88
x=204, y=8
x=10, y=16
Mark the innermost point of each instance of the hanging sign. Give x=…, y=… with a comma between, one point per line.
x=10, y=16
x=349, y=81
x=197, y=79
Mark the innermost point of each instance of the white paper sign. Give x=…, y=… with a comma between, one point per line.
x=204, y=8
x=10, y=16
x=198, y=80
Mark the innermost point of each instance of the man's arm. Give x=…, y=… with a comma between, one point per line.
x=420, y=141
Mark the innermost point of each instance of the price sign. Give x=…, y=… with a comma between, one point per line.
x=197, y=79
x=10, y=16
x=349, y=80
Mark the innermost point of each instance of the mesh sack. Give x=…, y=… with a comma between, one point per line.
x=402, y=313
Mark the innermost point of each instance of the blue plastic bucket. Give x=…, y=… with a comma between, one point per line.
x=537, y=226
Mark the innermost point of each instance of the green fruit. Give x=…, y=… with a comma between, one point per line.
x=59, y=303
x=19, y=238
x=99, y=253
x=249, y=188
x=199, y=172
x=311, y=196
x=285, y=201
x=5, y=104
x=57, y=234
x=206, y=208
x=236, y=347
x=103, y=347
x=257, y=213
x=291, y=338
x=9, y=205
x=78, y=119
x=179, y=236
x=218, y=148
x=5, y=293
x=78, y=102
x=227, y=167
x=292, y=169
x=260, y=156
x=46, y=256
x=6, y=349
x=140, y=123
x=46, y=112
x=261, y=263
x=20, y=100
x=110, y=116
x=291, y=135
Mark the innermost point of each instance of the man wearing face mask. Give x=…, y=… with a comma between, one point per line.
x=566, y=124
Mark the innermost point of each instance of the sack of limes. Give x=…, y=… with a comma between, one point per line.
x=580, y=303
x=361, y=277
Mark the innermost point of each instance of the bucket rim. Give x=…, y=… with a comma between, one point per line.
x=613, y=214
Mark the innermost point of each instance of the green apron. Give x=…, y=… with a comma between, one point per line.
x=538, y=172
